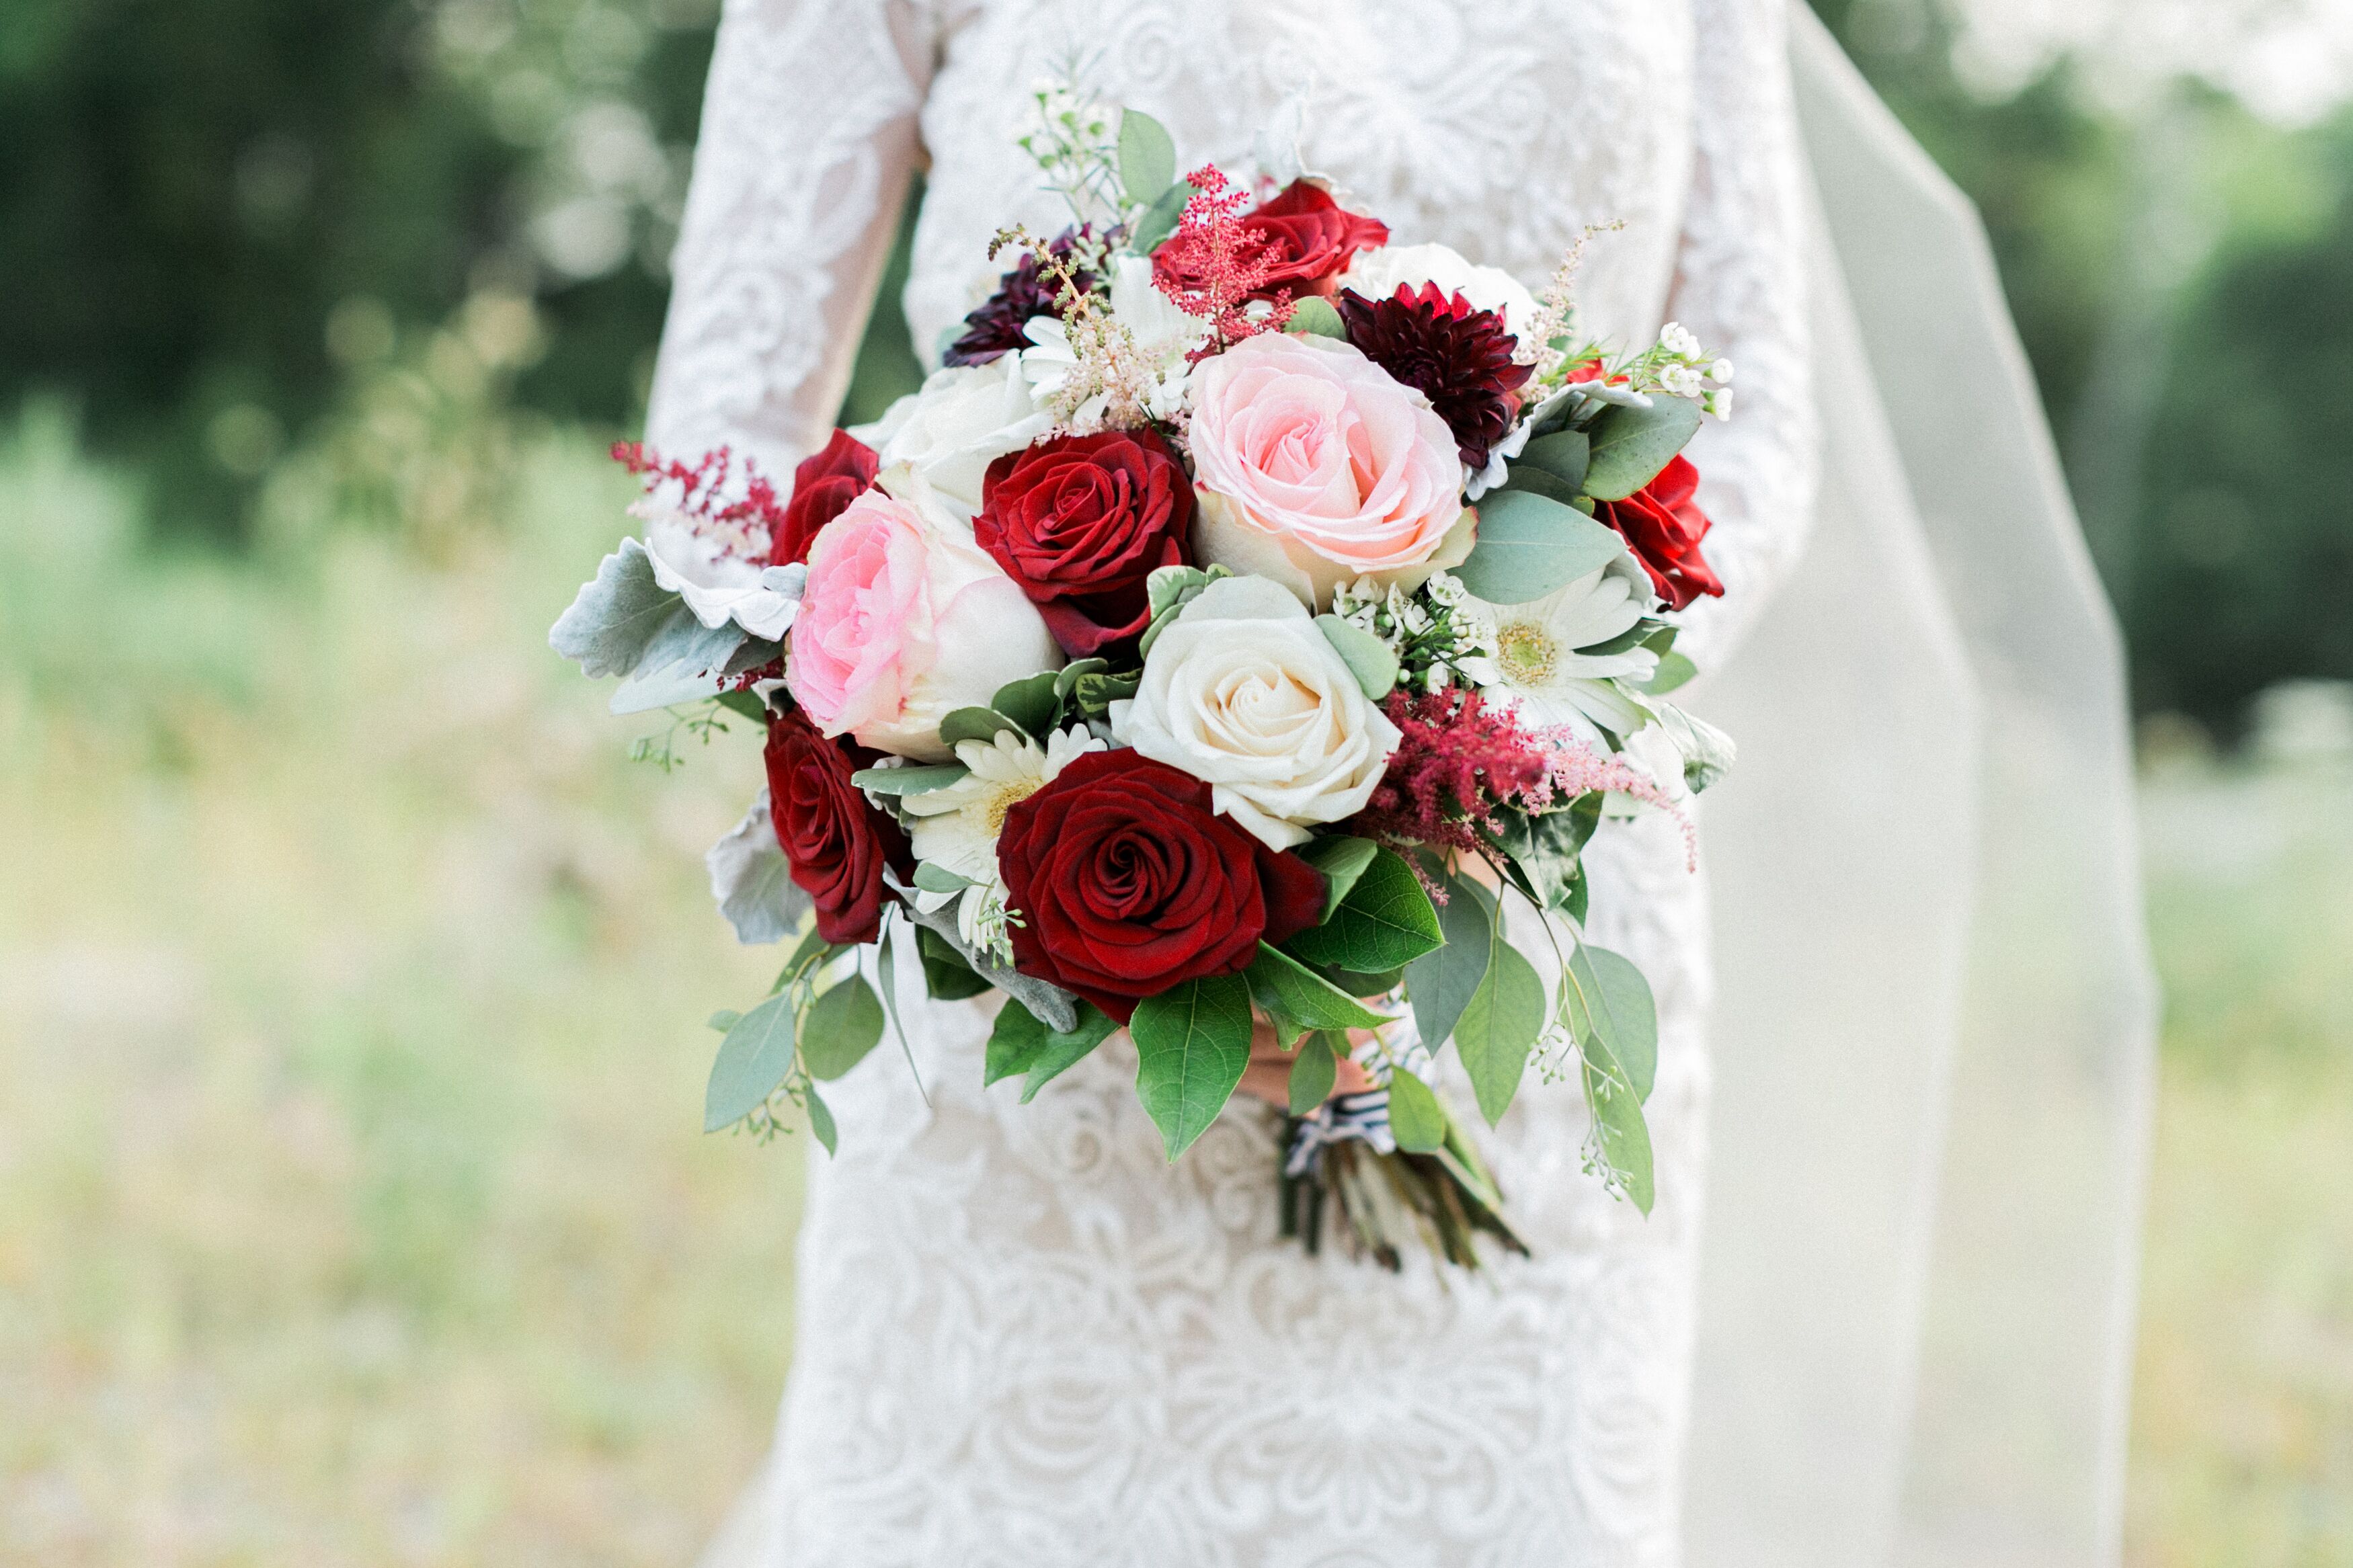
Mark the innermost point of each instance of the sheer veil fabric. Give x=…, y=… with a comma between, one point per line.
x=1935, y=1012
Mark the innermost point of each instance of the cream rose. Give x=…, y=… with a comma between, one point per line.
x=1378, y=274
x=964, y=417
x=1242, y=691
x=1314, y=467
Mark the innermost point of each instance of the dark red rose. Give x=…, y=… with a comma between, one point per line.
x=1457, y=356
x=1127, y=884
x=836, y=842
x=822, y=486
x=1080, y=521
x=1663, y=526
x=1306, y=239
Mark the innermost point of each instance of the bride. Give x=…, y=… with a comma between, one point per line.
x=1022, y=1336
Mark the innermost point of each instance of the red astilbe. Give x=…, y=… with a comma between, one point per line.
x=1461, y=760
x=743, y=524
x=1215, y=262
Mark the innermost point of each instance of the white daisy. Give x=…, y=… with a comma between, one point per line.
x=956, y=828
x=1538, y=657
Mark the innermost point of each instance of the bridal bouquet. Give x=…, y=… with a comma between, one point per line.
x=1245, y=614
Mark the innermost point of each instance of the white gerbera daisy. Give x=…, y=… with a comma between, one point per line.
x=1542, y=654
x=955, y=828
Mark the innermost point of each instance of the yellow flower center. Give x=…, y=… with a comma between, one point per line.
x=1527, y=653
x=1004, y=798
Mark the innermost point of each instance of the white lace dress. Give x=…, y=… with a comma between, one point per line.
x=1022, y=1337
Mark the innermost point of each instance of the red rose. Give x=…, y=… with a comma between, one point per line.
x=822, y=486
x=835, y=841
x=1127, y=884
x=1662, y=525
x=1080, y=521
x=1307, y=239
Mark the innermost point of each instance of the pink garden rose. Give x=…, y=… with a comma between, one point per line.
x=904, y=620
x=1314, y=467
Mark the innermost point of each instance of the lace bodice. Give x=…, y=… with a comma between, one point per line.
x=1021, y=1336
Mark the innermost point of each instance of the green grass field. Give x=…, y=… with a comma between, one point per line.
x=351, y=1206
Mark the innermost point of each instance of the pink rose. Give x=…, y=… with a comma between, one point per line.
x=1314, y=466
x=904, y=620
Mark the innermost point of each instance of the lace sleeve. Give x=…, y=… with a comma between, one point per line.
x=1740, y=286
x=809, y=138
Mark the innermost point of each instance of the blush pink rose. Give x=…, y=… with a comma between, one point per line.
x=904, y=620
x=1315, y=466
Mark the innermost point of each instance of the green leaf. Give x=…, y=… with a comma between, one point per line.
x=1064, y=1051
x=820, y=1118
x=1013, y=1045
x=1608, y=1000
x=1160, y=222
x=1283, y=985
x=1030, y=702
x=1147, y=157
x=1535, y=481
x=919, y=780
x=974, y=724
x=946, y=976
x=933, y=878
x=1367, y=658
x=1313, y=1074
x=1564, y=455
x=1529, y=545
x=1192, y=1042
x=1500, y=1026
x=1415, y=1115
x=752, y=1060
x=1314, y=317
x=1387, y=920
x=1631, y=445
x=1675, y=671
x=1621, y=1134
x=1439, y=983
x=1067, y=679
x=843, y=1025
x=1357, y=984
x=1342, y=859
x=1545, y=848
x=746, y=703
x=723, y=1020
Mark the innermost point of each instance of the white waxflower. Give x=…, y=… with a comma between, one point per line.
x=1678, y=340
x=963, y=418
x=718, y=587
x=956, y=828
x=1535, y=656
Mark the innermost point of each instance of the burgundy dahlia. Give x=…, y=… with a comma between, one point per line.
x=995, y=329
x=1457, y=356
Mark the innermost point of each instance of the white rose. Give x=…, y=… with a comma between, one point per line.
x=1376, y=274
x=964, y=417
x=1242, y=692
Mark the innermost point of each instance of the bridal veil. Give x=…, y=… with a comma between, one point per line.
x=1934, y=1012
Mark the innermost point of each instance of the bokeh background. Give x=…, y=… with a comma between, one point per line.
x=351, y=1206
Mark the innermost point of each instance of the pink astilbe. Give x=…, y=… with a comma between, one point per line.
x=744, y=525
x=1461, y=760
x=1214, y=262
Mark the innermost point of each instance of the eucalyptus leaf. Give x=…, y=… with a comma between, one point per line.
x=1608, y=1000
x=1416, y=1117
x=1545, y=848
x=1161, y=221
x=1499, y=1028
x=1147, y=157
x=723, y=1020
x=1385, y=921
x=1314, y=317
x=1619, y=1131
x=1312, y=1073
x=1282, y=984
x=843, y=1025
x=1528, y=546
x=748, y=704
x=974, y=724
x=820, y=1117
x=1535, y=481
x=752, y=1060
x=1342, y=859
x=1065, y=1049
x=1564, y=456
x=1369, y=659
x=946, y=976
x=1631, y=445
x=1439, y=983
x=935, y=878
x=1030, y=702
x=920, y=779
x=1192, y=1044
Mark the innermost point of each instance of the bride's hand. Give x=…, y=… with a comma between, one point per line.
x=1268, y=1077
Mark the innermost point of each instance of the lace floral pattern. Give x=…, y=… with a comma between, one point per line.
x=1022, y=1337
